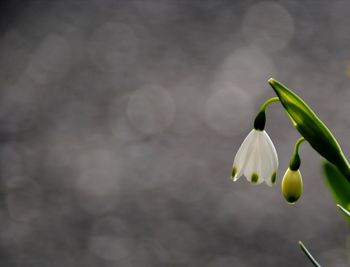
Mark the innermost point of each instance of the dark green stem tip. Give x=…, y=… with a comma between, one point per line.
x=260, y=120
x=294, y=163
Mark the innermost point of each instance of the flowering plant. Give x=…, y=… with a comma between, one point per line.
x=257, y=158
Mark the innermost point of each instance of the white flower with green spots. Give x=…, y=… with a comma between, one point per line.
x=256, y=159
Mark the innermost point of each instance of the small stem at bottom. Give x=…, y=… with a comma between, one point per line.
x=308, y=254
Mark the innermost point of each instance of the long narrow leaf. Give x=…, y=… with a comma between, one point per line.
x=308, y=254
x=312, y=128
x=346, y=212
x=339, y=187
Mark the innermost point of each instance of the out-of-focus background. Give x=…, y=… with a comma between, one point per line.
x=119, y=121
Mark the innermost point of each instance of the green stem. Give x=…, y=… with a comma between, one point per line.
x=294, y=163
x=260, y=119
x=297, y=144
x=268, y=102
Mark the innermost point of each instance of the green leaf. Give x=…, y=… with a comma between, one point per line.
x=346, y=212
x=336, y=184
x=311, y=127
x=308, y=254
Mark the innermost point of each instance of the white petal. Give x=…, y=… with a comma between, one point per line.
x=266, y=158
x=267, y=168
x=243, y=153
x=272, y=150
x=254, y=161
x=260, y=163
x=271, y=160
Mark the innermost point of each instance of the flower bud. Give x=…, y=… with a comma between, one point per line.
x=292, y=185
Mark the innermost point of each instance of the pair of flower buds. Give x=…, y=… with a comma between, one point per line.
x=257, y=158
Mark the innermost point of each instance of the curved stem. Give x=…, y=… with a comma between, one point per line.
x=268, y=102
x=294, y=163
x=260, y=119
x=297, y=144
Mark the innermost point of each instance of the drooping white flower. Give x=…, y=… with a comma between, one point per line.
x=256, y=159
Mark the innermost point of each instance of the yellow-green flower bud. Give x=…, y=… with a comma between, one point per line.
x=292, y=185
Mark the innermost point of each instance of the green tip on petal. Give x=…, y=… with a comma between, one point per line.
x=255, y=178
x=273, y=178
x=234, y=172
x=311, y=127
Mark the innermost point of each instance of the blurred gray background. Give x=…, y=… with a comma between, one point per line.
x=119, y=121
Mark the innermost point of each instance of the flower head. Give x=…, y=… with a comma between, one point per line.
x=292, y=185
x=256, y=159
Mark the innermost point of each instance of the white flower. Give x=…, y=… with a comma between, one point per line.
x=256, y=159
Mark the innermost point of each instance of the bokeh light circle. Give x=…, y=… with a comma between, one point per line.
x=109, y=239
x=113, y=47
x=268, y=26
x=248, y=68
x=228, y=111
x=99, y=175
x=51, y=60
x=24, y=199
x=151, y=109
